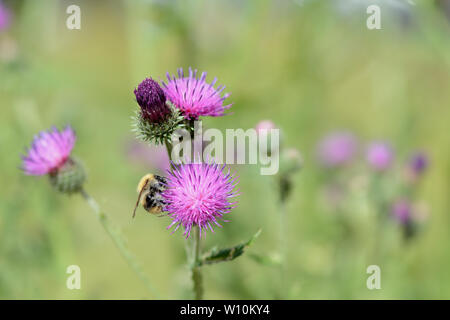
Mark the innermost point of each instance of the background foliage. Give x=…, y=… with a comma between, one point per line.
x=310, y=66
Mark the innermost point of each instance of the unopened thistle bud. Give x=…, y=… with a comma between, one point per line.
x=49, y=154
x=156, y=120
x=291, y=162
x=152, y=100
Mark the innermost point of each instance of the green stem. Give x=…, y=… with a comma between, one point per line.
x=119, y=241
x=194, y=259
x=169, y=149
x=283, y=247
x=195, y=266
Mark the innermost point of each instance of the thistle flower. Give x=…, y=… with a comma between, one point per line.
x=49, y=154
x=199, y=194
x=152, y=100
x=5, y=17
x=337, y=149
x=155, y=121
x=291, y=161
x=402, y=211
x=194, y=97
x=380, y=156
x=418, y=163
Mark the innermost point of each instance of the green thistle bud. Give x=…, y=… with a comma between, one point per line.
x=157, y=132
x=69, y=178
x=291, y=162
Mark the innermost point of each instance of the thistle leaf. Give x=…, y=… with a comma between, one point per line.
x=216, y=255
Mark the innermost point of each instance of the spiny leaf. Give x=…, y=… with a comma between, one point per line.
x=227, y=254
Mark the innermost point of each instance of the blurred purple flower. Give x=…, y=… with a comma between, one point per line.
x=337, y=149
x=402, y=211
x=5, y=17
x=194, y=96
x=49, y=151
x=148, y=156
x=418, y=163
x=199, y=194
x=380, y=155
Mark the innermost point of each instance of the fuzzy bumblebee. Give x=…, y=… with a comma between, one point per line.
x=150, y=188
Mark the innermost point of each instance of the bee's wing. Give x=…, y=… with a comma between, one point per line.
x=139, y=198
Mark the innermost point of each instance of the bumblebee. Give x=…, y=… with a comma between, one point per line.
x=150, y=188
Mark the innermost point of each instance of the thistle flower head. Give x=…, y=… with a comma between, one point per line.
x=5, y=17
x=152, y=100
x=418, y=163
x=402, y=211
x=194, y=96
x=50, y=154
x=49, y=151
x=337, y=149
x=291, y=161
x=380, y=156
x=199, y=194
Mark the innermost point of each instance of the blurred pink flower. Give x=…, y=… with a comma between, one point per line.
x=380, y=155
x=265, y=125
x=402, y=211
x=337, y=149
x=5, y=17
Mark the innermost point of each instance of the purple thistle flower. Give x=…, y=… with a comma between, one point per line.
x=199, y=194
x=152, y=100
x=194, y=96
x=49, y=151
x=337, y=149
x=380, y=155
x=5, y=17
x=402, y=211
x=418, y=163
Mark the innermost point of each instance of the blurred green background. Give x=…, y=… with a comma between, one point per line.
x=310, y=66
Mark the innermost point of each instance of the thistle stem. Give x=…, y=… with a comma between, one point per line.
x=169, y=149
x=283, y=247
x=197, y=278
x=193, y=254
x=119, y=241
